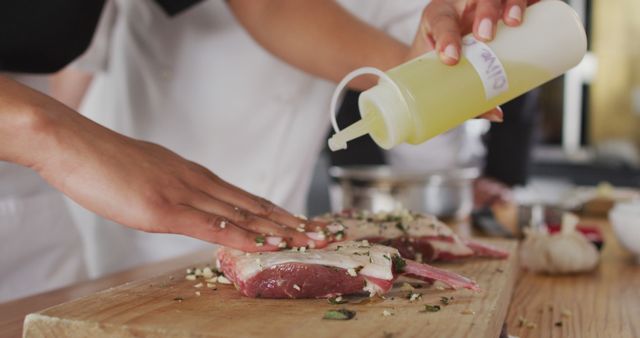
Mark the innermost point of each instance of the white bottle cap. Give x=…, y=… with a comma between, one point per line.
x=383, y=105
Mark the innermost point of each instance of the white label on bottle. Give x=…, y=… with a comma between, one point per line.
x=486, y=63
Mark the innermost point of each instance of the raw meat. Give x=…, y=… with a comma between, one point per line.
x=340, y=269
x=417, y=236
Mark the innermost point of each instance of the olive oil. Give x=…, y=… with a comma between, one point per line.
x=438, y=107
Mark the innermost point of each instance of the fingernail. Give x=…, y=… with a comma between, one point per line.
x=317, y=236
x=485, y=29
x=451, y=52
x=274, y=240
x=515, y=13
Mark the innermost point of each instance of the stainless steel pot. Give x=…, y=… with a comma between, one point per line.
x=446, y=194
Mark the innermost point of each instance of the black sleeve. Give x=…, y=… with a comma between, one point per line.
x=173, y=7
x=42, y=36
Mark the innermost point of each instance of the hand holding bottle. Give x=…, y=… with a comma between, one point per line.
x=444, y=22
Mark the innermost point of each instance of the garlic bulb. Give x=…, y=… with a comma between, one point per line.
x=566, y=252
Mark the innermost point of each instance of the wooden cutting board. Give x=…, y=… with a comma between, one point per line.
x=149, y=308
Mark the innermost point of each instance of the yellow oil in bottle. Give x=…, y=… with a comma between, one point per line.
x=441, y=97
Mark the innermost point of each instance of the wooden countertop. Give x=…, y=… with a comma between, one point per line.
x=602, y=303
x=12, y=313
x=148, y=308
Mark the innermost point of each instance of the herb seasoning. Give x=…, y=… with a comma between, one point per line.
x=339, y=314
x=431, y=308
x=446, y=300
x=398, y=263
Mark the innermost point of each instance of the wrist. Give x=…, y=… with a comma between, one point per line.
x=26, y=127
x=30, y=132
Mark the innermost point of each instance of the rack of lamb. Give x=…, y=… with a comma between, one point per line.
x=342, y=268
x=421, y=237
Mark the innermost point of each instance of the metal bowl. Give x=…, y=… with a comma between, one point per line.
x=446, y=194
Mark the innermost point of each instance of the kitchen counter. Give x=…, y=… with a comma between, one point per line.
x=602, y=303
x=12, y=313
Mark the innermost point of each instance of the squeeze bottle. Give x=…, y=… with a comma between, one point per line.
x=422, y=98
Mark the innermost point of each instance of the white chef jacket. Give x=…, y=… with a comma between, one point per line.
x=198, y=84
x=40, y=247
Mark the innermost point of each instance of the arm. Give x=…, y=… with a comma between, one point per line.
x=135, y=183
x=20, y=124
x=319, y=37
x=322, y=38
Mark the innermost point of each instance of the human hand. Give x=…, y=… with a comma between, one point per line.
x=444, y=22
x=143, y=185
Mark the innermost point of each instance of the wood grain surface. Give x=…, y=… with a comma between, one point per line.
x=148, y=309
x=604, y=303
x=12, y=313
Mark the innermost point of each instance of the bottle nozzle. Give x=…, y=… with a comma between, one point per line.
x=339, y=140
x=337, y=143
